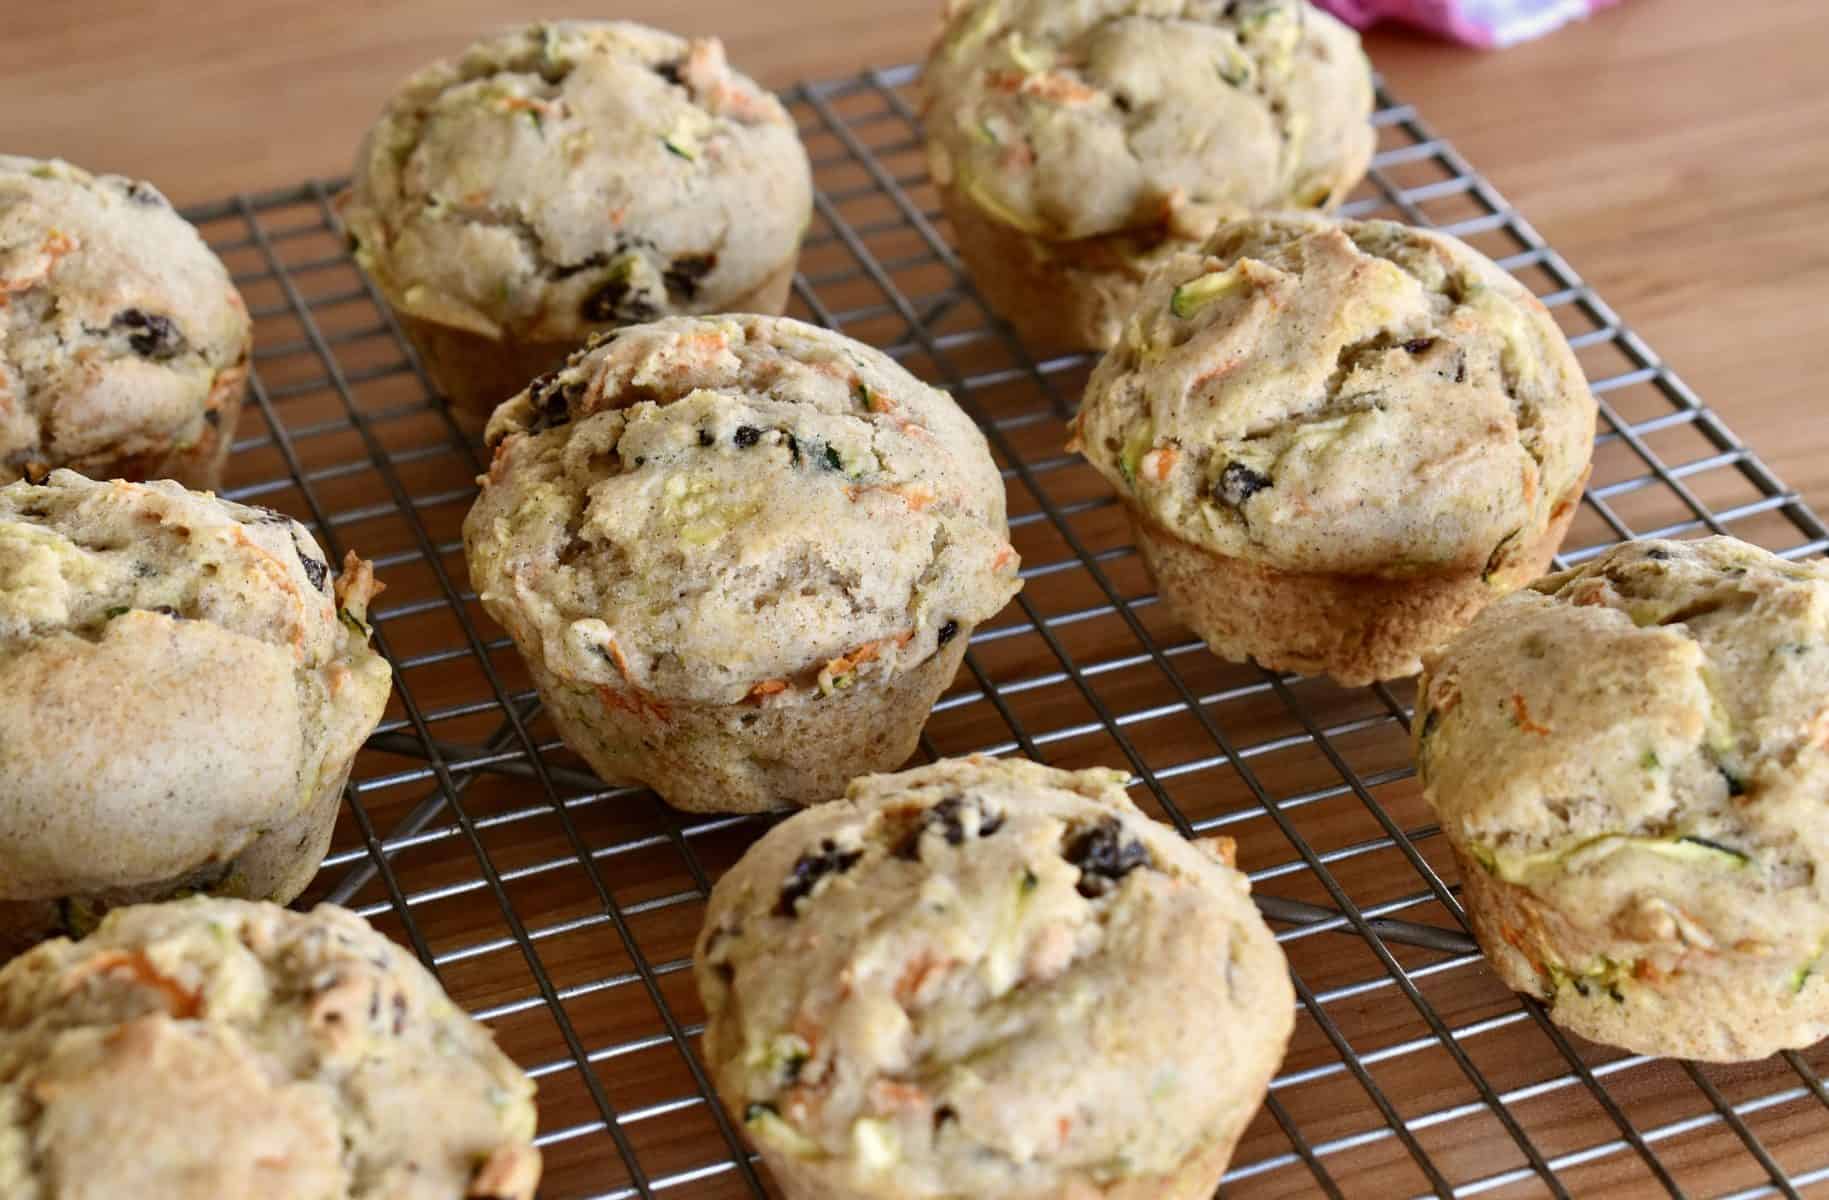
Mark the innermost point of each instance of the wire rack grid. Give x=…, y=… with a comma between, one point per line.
x=561, y=911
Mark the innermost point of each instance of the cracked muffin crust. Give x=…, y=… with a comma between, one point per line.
x=1077, y=145
x=992, y=979
x=204, y=1049
x=568, y=177
x=740, y=555
x=183, y=687
x=1629, y=760
x=1338, y=441
x=123, y=343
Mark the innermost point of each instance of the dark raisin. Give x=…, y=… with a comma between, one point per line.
x=945, y=819
x=705, y=438
x=641, y=460
x=747, y=436
x=948, y=632
x=166, y=610
x=945, y=1113
x=214, y=417
x=1418, y=345
x=812, y=867
x=269, y=516
x=686, y=273
x=399, y=1014
x=1104, y=856
x=617, y=300
x=1460, y=370
x=1657, y=554
x=317, y=571
x=793, y=448
x=36, y=473
x=1431, y=723
x=670, y=72
x=552, y=401
x=590, y=263
x=147, y=195
x=1121, y=102
x=1238, y=483
x=152, y=336
x=833, y=462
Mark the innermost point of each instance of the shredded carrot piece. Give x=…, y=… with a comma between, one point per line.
x=918, y=496
x=768, y=687
x=1158, y=463
x=924, y=967
x=905, y=637
x=1051, y=86
x=1523, y=713
x=1065, y=1126
x=890, y=1094
x=1004, y=557
x=180, y=1002
x=1224, y=849
x=635, y=702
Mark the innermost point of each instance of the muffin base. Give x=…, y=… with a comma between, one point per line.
x=475, y=373
x=1742, y=1007
x=1356, y=628
x=276, y=866
x=744, y=757
x=1060, y=296
x=197, y=466
x=1197, y=1178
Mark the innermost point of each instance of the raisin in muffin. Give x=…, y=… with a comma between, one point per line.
x=206, y=1049
x=1078, y=145
x=123, y=343
x=1629, y=760
x=1338, y=441
x=183, y=687
x=740, y=556
x=990, y=979
x=569, y=177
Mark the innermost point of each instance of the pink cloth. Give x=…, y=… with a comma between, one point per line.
x=1485, y=23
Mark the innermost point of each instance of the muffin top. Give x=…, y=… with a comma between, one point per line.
x=715, y=509
x=1354, y=396
x=120, y=333
x=576, y=175
x=1645, y=739
x=164, y=643
x=211, y=1048
x=989, y=978
x=1089, y=117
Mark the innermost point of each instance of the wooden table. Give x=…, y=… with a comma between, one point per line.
x=1657, y=146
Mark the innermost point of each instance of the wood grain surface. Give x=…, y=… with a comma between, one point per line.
x=1679, y=160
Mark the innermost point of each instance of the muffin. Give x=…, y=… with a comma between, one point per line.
x=741, y=556
x=1078, y=146
x=990, y=979
x=1629, y=760
x=182, y=690
x=123, y=344
x=570, y=177
x=218, y=1048
x=1337, y=442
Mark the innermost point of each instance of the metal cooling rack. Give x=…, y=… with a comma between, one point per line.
x=562, y=912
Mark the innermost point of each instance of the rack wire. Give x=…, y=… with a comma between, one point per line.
x=561, y=911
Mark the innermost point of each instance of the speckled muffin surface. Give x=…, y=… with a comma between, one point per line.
x=123, y=342
x=205, y=1049
x=725, y=519
x=184, y=684
x=1341, y=403
x=577, y=175
x=1629, y=759
x=1080, y=143
x=990, y=979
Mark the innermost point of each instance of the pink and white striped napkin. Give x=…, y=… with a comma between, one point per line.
x=1486, y=23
